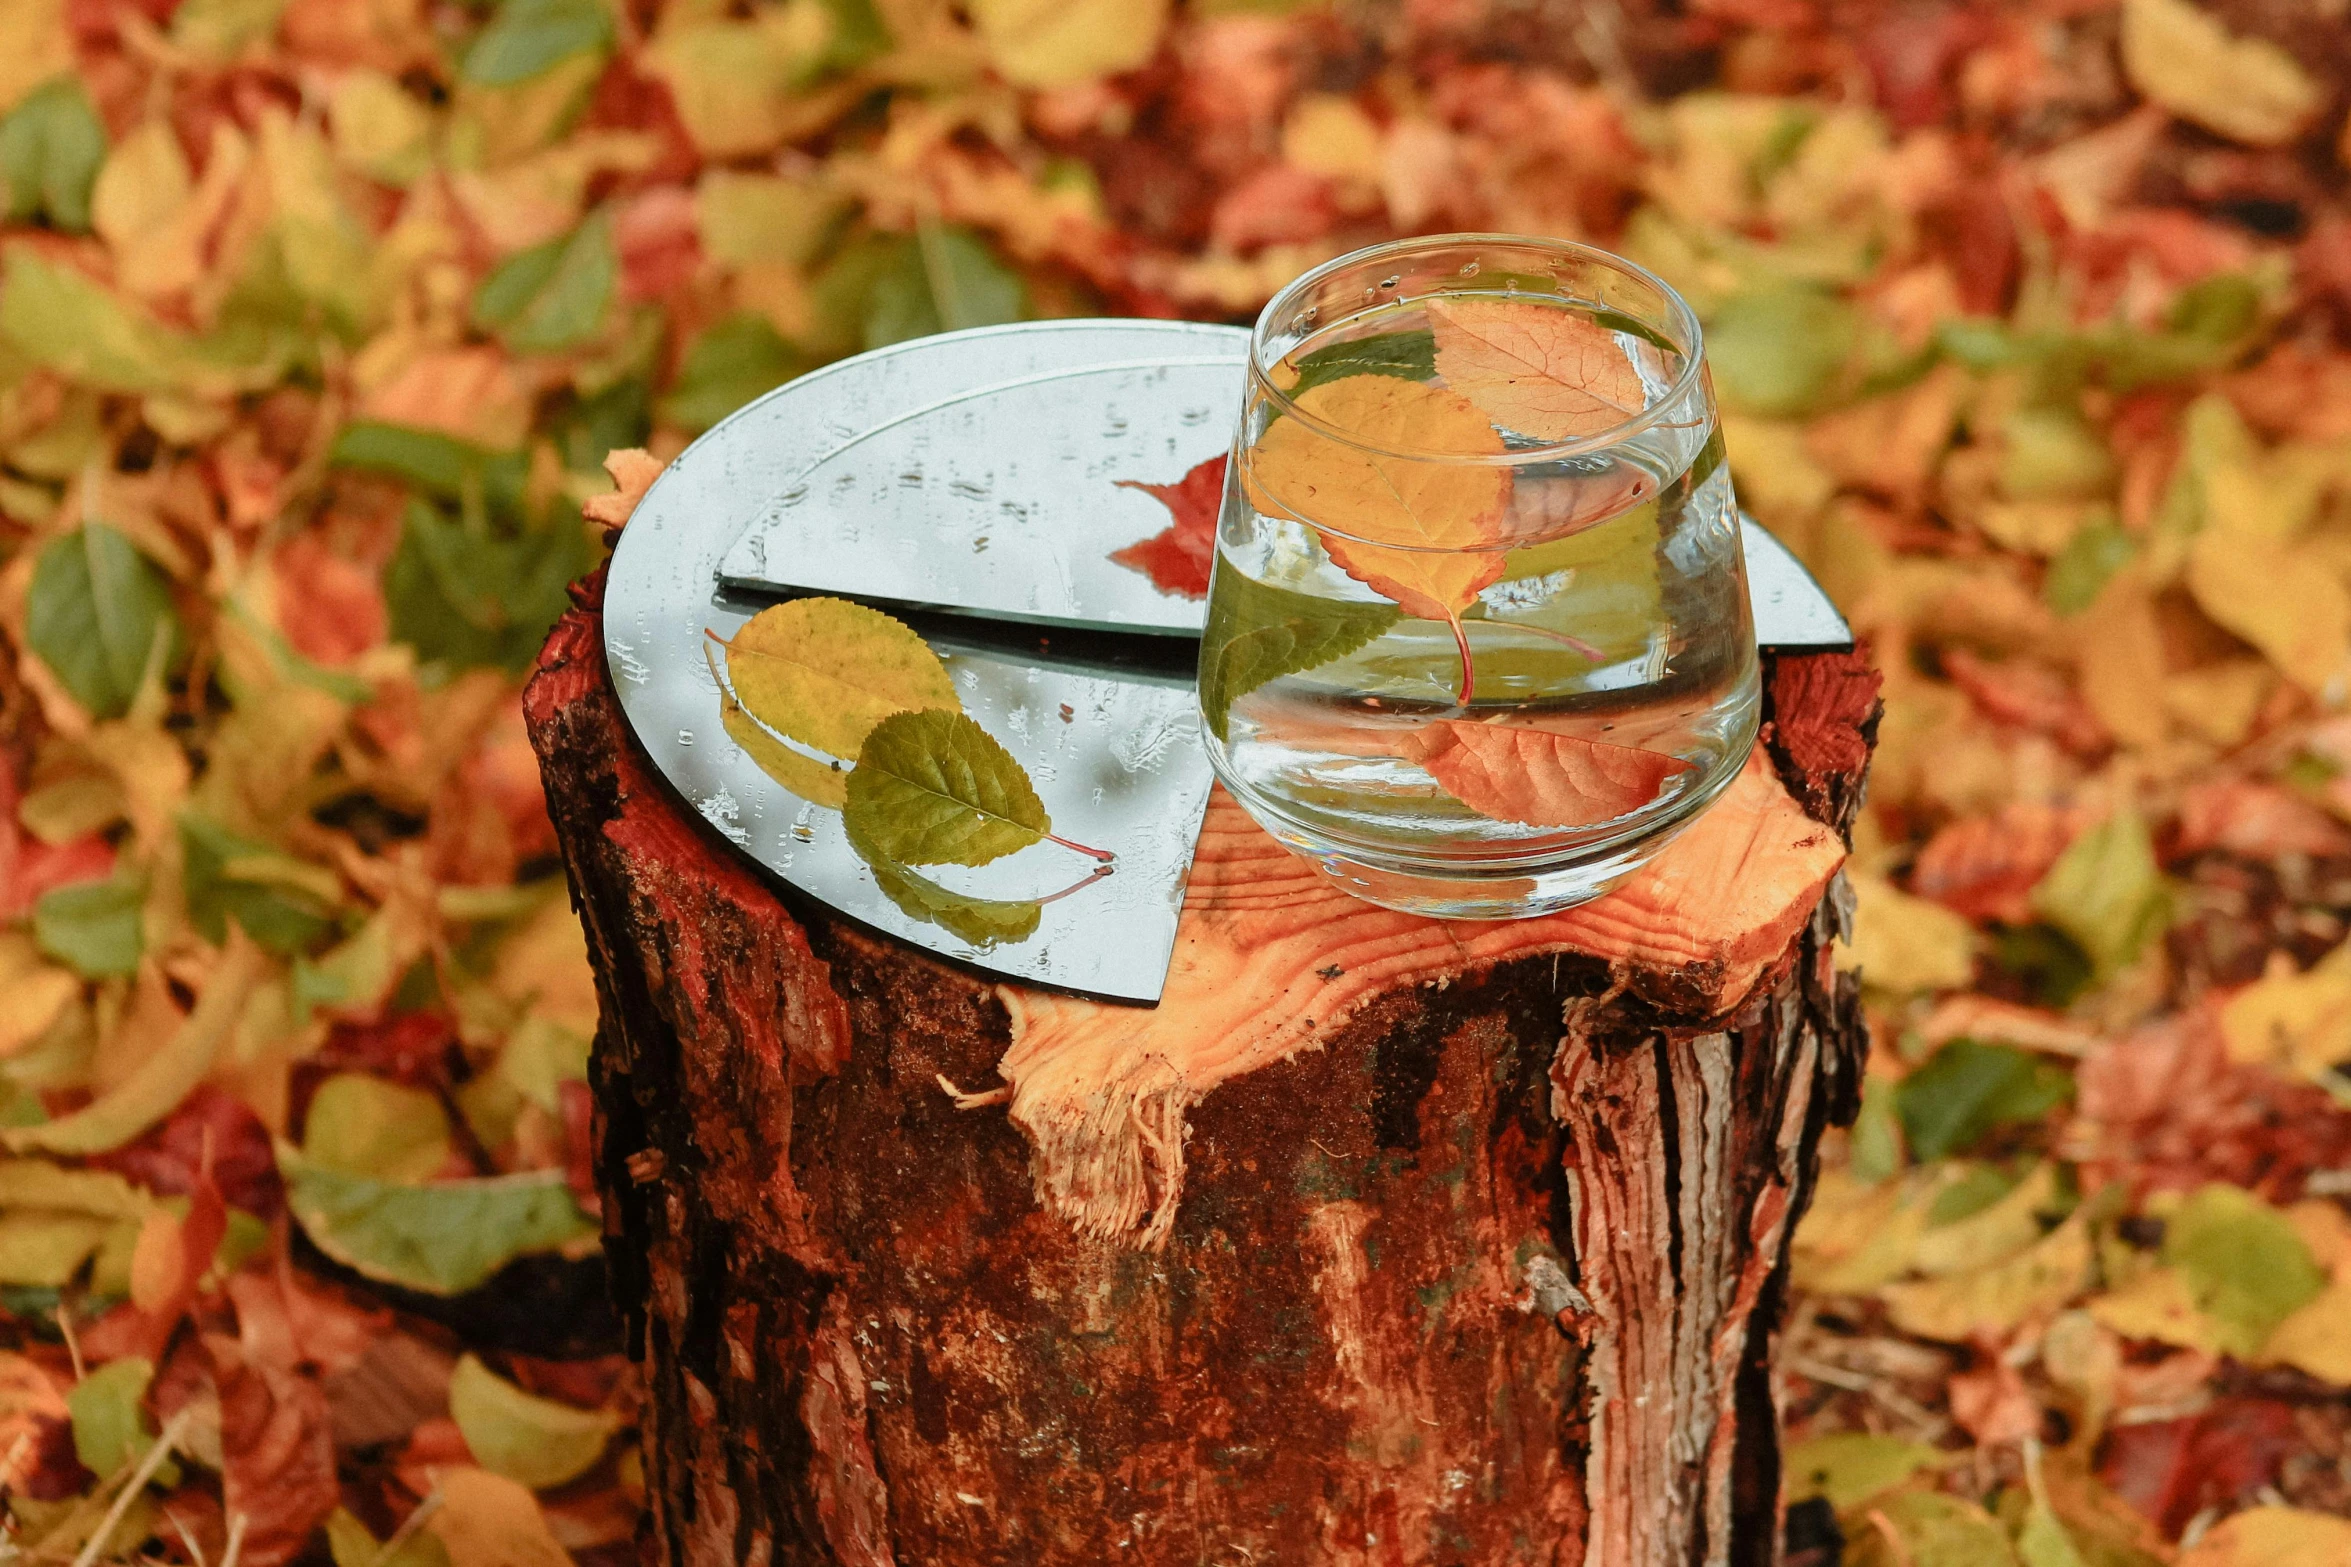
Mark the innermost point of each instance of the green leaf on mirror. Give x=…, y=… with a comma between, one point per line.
x=93, y=927
x=1257, y=632
x=981, y=921
x=934, y=788
x=553, y=295
x=528, y=37
x=52, y=145
x=444, y=1238
x=95, y=614
x=535, y=1441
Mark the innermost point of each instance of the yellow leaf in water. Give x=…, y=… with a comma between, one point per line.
x=1052, y=43
x=1536, y=369
x=2261, y=590
x=1903, y=944
x=2247, y=89
x=2273, y=1537
x=487, y=1520
x=1417, y=531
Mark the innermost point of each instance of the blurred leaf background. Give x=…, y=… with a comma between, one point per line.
x=317, y=318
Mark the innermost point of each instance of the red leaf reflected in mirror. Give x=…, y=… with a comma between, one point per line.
x=1178, y=556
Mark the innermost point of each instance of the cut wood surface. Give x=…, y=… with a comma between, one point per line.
x=1380, y=1242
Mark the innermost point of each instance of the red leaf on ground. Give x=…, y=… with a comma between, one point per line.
x=286, y=1322
x=1985, y=866
x=278, y=1454
x=1515, y=774
x=2257, y=820
x=330, y=608
x=2029, y=695
x=1276, y=204
x=29, y=867
x=45, y=1467
x=659, y=242
x=2171, y=1470
x=1177, y=558
x=167, y=1157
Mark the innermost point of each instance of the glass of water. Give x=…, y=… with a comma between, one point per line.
x=1478, y=638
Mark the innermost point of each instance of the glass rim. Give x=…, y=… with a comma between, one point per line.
x=1678, y=309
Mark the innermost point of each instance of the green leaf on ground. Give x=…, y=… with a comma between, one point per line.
x=46, y=1248
x=1258, y=632
x=444, y=1238
x=528, y=37
x=109, y=1427
x=1930, y=1530
x=934, y=788
x=736, y=360
x=1780, y=351
x=2243, y=1262
x=369, y=1126
x=536, y=1441
x=2105, y=891
x=1411, y=356
x=352, y=1544
x=283, y=903
x=2078, y=571
x=1965, y=1089
x=824, y=672
x=471, y=596
x=440, y=465
x=553, y=295
x=942, y=280
x=51, y=147
x=96, y=610
x=93, y=927
x=1850, y=1467
x=63, y=319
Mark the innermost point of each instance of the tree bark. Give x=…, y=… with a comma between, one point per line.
x=1380, y=1242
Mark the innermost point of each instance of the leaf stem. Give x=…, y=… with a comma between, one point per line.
x=1577, y=643
x=1080, y=885
x=1104, y=855
x=1469, y=674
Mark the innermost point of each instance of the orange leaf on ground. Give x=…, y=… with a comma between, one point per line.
x=330, y=608
x=633, y=469
x=2257, y=820
x=474, y=394
x=1534, y=776
x=1537, y=369
x=1417, y=531
x=278, y=1452
x=1985, y=867
x=1177, y=558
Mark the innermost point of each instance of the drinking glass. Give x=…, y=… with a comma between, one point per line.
x=1478, y=641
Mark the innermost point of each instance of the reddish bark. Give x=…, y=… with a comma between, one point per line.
x=1395, y=1318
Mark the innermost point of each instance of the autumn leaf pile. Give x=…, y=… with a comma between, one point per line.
x=318, y=316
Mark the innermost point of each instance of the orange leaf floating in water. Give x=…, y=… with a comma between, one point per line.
x=1515, y=774
x=1177, y=558
x=1536, y=369
x=1420, y=532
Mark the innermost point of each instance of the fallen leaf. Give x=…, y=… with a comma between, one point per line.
x=1967, y=1088
x=2247, y=89
x=1541, y=370
x=1050, y=43
x=278, y=1454
x=364, y=1125
x=2242, y=1261
x=487, y=1520
x=1903, y=945
x=2105, y=890
x=1178, y=557
x=536, y=1441
x=1850, y=1467
x=1517, y=774
x=1994, y=1301
x=825, y=672
x=1927, y=1529
x=2271, y=1536
x=633, y=472
x=444, y=1238
x=934, y=788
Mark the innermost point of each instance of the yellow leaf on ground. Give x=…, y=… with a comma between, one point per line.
x=487, y=1520
x=1329, y=134
x=1992, y=1235
x=2033, y=1283
x=1537, y=369
x=747, y=220
x=2296, y=1023
x=2220, y=701
x=733, y=81
x=2317, y=1338
x=1052, y=43
x=538, y=1442
x=34, y=46
x=2260, y=589
x=1905, y=944
x=2121, y=661
x=2247, y=89
x=33, y=993
x=1856, y=1237
x=145, y=180
x=471, y=393
x=2157, y=1306
x=1434, y=514
x=2273, y=1537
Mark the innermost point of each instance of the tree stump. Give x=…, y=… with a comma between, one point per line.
x=1381, y=1241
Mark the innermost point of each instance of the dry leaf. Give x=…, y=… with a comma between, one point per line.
x=1537, y=369
x=633, y=470
x=1516, y=774
x=2247, y=89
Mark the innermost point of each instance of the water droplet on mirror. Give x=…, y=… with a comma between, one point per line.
x=1391, y=280
x=803, y=833
x=1469, y=269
